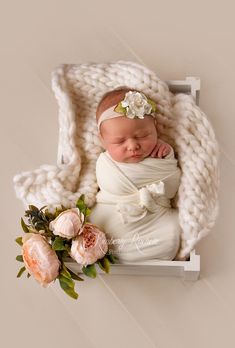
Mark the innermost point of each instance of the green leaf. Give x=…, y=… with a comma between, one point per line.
x=19, y=258
x=68, y=287
x=100, y=265
x=111, y=258
x=28, y=275
x=21, y=271
x=67, y=280
x=104, y=264
x=19, y=241
x=65, y=253
x=89, y=270
x=64, y=272
x=87, y=212
x=59, y=244
x=120, y=108
x=24, y=226
x=67, y=273
x=75, y=276
x=153, y=104
x=81, y=204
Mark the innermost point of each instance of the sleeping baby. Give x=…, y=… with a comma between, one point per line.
x=137, y=175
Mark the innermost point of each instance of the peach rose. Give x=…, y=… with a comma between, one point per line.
x=68, y=223
x=40, y=260
x=89, y=246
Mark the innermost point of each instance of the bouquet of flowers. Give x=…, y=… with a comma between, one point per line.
x=51, y=238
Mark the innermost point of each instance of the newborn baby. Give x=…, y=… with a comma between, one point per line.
x=137, y=176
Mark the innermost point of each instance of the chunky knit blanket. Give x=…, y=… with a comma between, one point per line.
x=78, y=89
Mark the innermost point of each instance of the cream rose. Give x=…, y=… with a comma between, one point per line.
x=89, y=246
x=68, y=223
x=40, y=260
x=136, y=104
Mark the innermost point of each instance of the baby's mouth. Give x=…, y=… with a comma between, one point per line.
x=136, y=155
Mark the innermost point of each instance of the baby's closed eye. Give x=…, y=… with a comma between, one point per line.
x=142, y=136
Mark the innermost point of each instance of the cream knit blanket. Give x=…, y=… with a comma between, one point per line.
x=78, y=89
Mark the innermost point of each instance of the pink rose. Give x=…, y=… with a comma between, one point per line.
x=39, y=258
x=89, y=246
x=68, y=223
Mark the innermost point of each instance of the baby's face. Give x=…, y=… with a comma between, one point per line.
x=129, y=140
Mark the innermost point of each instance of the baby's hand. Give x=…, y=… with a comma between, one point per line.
x=161, y=149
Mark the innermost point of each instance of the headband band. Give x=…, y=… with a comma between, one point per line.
x=108, y=114
x=135, y=104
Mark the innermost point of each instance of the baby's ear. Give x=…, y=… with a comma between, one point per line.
x=101, y=139
x=99, y=135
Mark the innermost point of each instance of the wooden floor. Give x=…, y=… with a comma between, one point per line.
x=175, y=39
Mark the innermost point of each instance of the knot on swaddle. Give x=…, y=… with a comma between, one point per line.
x=148, y=193
x=151, y=198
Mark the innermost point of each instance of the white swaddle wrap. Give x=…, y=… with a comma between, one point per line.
x=134, y=208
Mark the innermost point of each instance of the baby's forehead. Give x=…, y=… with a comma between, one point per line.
x=123, y=125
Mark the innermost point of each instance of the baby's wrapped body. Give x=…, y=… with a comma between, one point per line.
x=134, y=209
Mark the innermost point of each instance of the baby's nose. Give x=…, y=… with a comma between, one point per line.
x=132, y=145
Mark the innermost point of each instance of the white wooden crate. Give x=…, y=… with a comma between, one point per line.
x=188, y=270
x=191, y=85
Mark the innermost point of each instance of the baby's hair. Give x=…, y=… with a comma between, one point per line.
x=106, y=99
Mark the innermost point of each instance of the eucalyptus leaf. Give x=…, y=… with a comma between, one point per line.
x=33, y=208
x=89, y=270
x=32, y=230
x=42, y=208
x=24, y=226
x=49, y=215
x=19, y=258
x=21, y=271
x=19, y=241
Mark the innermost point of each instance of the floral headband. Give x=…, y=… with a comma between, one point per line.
x=135, y=104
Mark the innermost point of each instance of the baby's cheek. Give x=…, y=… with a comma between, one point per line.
x=116, y=152
x=120, y=153
x=150, y=145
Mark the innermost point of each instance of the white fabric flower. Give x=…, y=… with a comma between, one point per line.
x=89, y=246
x=68, y=223
x=136, y=104
x=39, y=258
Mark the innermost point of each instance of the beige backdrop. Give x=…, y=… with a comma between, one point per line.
x=175, y=39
